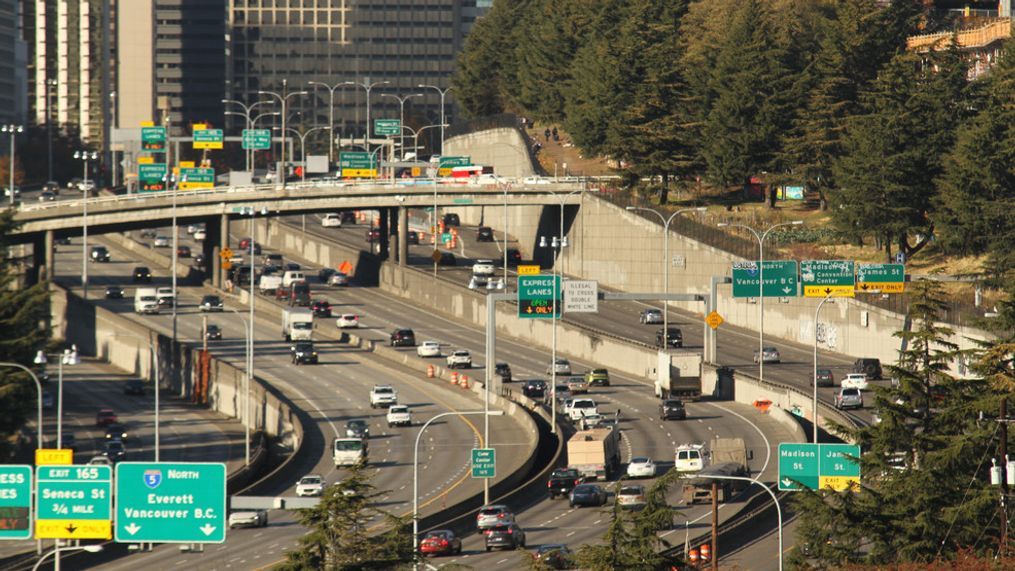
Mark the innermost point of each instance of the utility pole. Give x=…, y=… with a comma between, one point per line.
x=1003, y=452
x=715, y=526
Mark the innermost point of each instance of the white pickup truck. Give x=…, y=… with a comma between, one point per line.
x=383, y=396
x=268, y=284
x=581, y=408
x=398, y=415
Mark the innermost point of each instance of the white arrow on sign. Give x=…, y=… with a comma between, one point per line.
x=132, y=528
x=208, y=528
x=786, y=290
x=786, y=482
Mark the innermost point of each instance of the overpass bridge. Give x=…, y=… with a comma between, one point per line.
x=216, y=208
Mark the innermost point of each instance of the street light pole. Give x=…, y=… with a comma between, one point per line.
x=778, y=508
x=13, y=130
x=85, y=156
x=49, y=129
x=761, y=284
x=443, y=92
x=401, y=117
x=249, y=124
x=283, y=98
x=666, y=256
x=415, y=467
x=38, y=388
x=249, y=211
x=331, y=117
x=68, y=357
x=303, y=149
x=367, y=86
x=56, y=551
x=815, y=378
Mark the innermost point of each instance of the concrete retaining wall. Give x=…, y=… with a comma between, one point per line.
x=503, y=148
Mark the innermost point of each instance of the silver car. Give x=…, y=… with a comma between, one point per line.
x=768, y=355
x=490, y=516
x=161, y=242
x=248, y=518
x=848, y=398
x=650, y=316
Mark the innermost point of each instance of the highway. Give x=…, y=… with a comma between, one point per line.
x=332, y=392
x=188, y=433
x=644, y=434
x=735, y=345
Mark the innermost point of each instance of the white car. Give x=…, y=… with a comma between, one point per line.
x=161, y=242
x=200, y=235
x=483, y=268
x=398, y=415
x=248, y=518
x=536, y=180
x=562, y=367
x=591, y=420
x=191, y=228
x=347, y=321
x=311, y=485
x=641, y=467
x=383, y=396
x=460, y=360
x=100, y=461
x=331, y=220
x=429, y=349
x=855, y=381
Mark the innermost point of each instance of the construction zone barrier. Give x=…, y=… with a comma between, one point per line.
x=763, y=405
x=454, y=377
x=706, y=552
x=430, y=371
x=692, y=555
x=463, y=381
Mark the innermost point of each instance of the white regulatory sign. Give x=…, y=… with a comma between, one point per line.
x=580, y=296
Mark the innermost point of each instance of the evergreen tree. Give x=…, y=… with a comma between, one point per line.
x=22, y=313
x=976, y=199
x=340, y=536
x=894, y=150
x=550, y=42
x=925, y=489
x=742, y=126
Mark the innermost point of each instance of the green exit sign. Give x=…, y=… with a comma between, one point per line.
x=484, y=463
x=171, y=502
x=15, y=502
x=818, y=466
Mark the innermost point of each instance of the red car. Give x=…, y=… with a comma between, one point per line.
x=440, y=542
x=105, y=417
x=373, y=235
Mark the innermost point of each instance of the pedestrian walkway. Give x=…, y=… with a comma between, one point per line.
x=559, y=157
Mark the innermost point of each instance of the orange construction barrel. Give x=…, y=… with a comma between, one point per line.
x=454, y=377
x=692, y=555
x=429, y=371
x=706, y=552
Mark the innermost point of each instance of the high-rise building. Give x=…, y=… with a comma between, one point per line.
x=405, y=43
x=171, y=56
x=68, y=67
x=10, y=87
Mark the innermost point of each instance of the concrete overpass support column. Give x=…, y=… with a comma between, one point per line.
x=403, y=233
x=42, y=259
x=385, y=233
x=210, y=250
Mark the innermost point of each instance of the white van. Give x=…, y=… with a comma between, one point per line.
x=293, y=276
x=331, y=220
x=146, y=300
x=349, y=451
x=164, y=296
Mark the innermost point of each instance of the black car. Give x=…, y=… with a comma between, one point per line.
x=149, y=233
x=213, y=332
x=869, y=367
x=348, y=216
x=413, y=238
x=134, y=387
x=555, y=556
x=825, y=378
x=484, y=234
x=114, y=292
x=672, y=409
x=504, y=370
x=504, y=535
x=402, y=338
x=142, y=275
x=323, y=274
x=116, y=431
x=452, y=219
x=447, y=259
x=211, y=303
x=100, y=254
x=534, y=389
x=587, y=495
x=514, y=257
x=292, y=267
x=674, y=338
x=357, y=428
x=303, y=352
x=562, y=481
x=321, y=308
x=115, y=451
